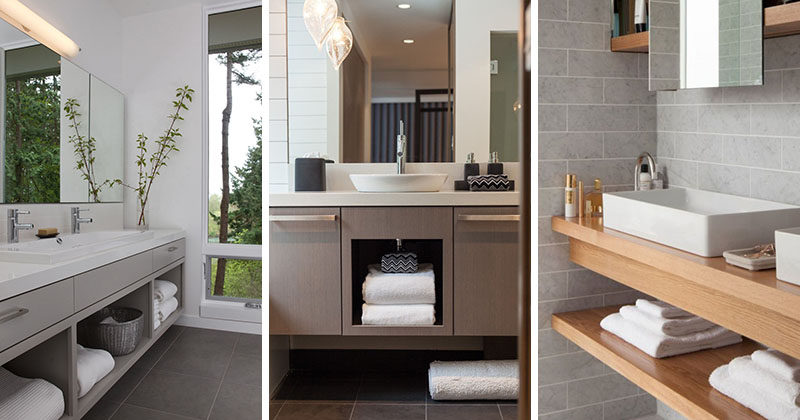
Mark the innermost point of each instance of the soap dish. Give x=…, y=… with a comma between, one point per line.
x=737, y=257
x=49, y=235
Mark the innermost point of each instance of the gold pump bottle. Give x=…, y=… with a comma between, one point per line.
x=595, y=199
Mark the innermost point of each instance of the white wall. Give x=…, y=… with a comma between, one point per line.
x=474, y=21
x=75, y=85
x=278, y=136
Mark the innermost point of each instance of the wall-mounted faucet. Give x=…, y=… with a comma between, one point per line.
x=14, y=226
x=75, y=216
x=651, y=168
x=402, y=145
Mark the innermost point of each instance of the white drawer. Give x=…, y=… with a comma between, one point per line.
x=169, y=253
x=24, y=315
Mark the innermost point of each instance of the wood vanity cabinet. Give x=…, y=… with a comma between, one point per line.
x=486, y=270
x=304, y=271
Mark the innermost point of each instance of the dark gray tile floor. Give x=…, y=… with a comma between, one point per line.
x=189, y=373
x=374, y=396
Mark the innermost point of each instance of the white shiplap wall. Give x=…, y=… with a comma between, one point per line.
x=278, y=108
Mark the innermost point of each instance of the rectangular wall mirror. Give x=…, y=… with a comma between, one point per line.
x=37, y=142
x=705, y=43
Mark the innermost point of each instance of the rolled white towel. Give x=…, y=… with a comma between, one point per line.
x=25, y=399
x=661, y=309
x=92, y=366
x=109, y=320
x=166, y=308
x=744, y=369
x=399, y=288
x=782, y=365
x=423, y=314
x=662, y=345
x=661, y=325
x=474, y=380
x=163, y=290
x=751, y=396
x=156, y=323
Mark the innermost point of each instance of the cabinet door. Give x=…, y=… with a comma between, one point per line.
x=304, y=271
x=486, y=271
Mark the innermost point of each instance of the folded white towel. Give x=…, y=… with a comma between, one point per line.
x=156, y=323
x=397, y=314
x=782, y=365
x=744, y=369
x=661, y=325
x=25, y=399
x=399, y=288
x=474, y=380
x=662, y=345
x=166, y=308
x=751, y=396
x=163, y=290
x=92, y=365
x=659, y=308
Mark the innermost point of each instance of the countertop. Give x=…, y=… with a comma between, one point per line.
x=17, y=278
x=355, y=199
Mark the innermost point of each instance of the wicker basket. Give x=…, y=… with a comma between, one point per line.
x=118, y=339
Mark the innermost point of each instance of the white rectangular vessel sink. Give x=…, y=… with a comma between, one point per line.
x=398, y=182
x=701, y=222
x=69, y=247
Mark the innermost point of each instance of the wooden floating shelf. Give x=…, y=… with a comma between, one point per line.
x=780, y=20
x=679, y=381
x=755, y=304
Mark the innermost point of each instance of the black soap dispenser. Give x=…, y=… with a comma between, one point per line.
x=470, y=167
x=495, y=167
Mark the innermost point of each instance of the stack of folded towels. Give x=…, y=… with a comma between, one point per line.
x=164, y=301
x=23, y=398
x=399, y=298
x=92, y=366
x=767, y=382
x=662, y=330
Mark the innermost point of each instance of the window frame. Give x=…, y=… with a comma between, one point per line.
x=216, y=250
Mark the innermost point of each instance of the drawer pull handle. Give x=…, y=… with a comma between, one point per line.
x=172, y=248
x=304, y=218
x=488, y=217
x=14, y=313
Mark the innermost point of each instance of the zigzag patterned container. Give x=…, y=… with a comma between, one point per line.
x=489, y=183
x=399, y=262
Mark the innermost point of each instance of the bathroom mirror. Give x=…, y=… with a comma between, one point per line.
x=705, y=43
x=38, y=159
x=402, y=67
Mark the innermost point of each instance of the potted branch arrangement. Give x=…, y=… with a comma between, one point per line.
x=165, y=144
x=84, y=148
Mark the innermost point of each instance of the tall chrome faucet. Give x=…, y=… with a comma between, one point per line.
x=402, y=145
x=75, y=216
x=651, y=168
x=14, y=226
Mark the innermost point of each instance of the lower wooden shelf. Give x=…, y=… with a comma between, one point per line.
x=638, y=42
x=679, y=381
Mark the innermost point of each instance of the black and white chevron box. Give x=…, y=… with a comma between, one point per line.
x=489, y=183
x=399, y=262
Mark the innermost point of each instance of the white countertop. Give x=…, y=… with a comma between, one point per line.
x=355, y=199
x=17, y=278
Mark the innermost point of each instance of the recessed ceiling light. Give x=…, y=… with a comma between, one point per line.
x=403, y=6
x=408, y=41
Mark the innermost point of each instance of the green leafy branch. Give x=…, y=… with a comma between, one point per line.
x=165, y=144
x=84, y=148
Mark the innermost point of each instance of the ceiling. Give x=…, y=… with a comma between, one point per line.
x=11, y=37
x=128, y=8
x=382, y=27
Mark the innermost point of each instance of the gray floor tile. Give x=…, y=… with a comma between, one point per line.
x=315, y=412
x=149, y=359
x=102, y=410
x=273, y=409
x=393, y=388
x=193, y=355
x=463, y=412
x=131, y=412
x=244, y=370
x=388, y=412
x=324, y=390
x=175, y=393
x=509, y=412
x=249, y=344
x=236, y=401
x=125, y=385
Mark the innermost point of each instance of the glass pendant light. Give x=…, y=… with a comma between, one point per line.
x=339, y=42
x=319, y=17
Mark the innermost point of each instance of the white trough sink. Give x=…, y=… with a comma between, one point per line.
x=69, y=247
x=398, y=182
x=701, y=222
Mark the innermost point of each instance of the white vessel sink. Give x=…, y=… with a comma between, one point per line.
x=398, y=182
x=69, y=247
x=701, y=222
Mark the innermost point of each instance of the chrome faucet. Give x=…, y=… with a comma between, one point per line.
x=402, y=145
x=75, y=215
x=14, y=226
x=651, y=168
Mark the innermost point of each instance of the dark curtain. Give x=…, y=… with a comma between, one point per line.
x=433, y=146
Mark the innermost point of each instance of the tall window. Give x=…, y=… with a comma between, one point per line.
x=233, y=248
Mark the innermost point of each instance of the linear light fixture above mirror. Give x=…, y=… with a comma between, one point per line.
x=27, y=21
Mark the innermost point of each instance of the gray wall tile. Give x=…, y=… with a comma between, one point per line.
x=665, y=144
x=700, y=147
x=551, y=201
x=603, y=64
x=553, y=286
x=554, y=258
x=610, y=171
x=546, y=234
x=593, y=390
x=764, y=152
x=552, y=398
x=570, y=146
x=552, y=62
x=629, y=408
x=627, y=144
x=585, y=282
x=627, y=91
x=603, y=118
x=552, y=117
x=781, y=53
x=724, y=179
x=551, y=173
x=552, y=343
x=776, y=120
x=590, y=412
x=679, y=173
x=727, y=119
x=559, y=34
x=767, y=93
x=775, y=186
x=589, y=11
x=553, y=9
x=571, y=366
x=570, y=90
x=548, y=308
x=791, y=154
x=677, y=118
